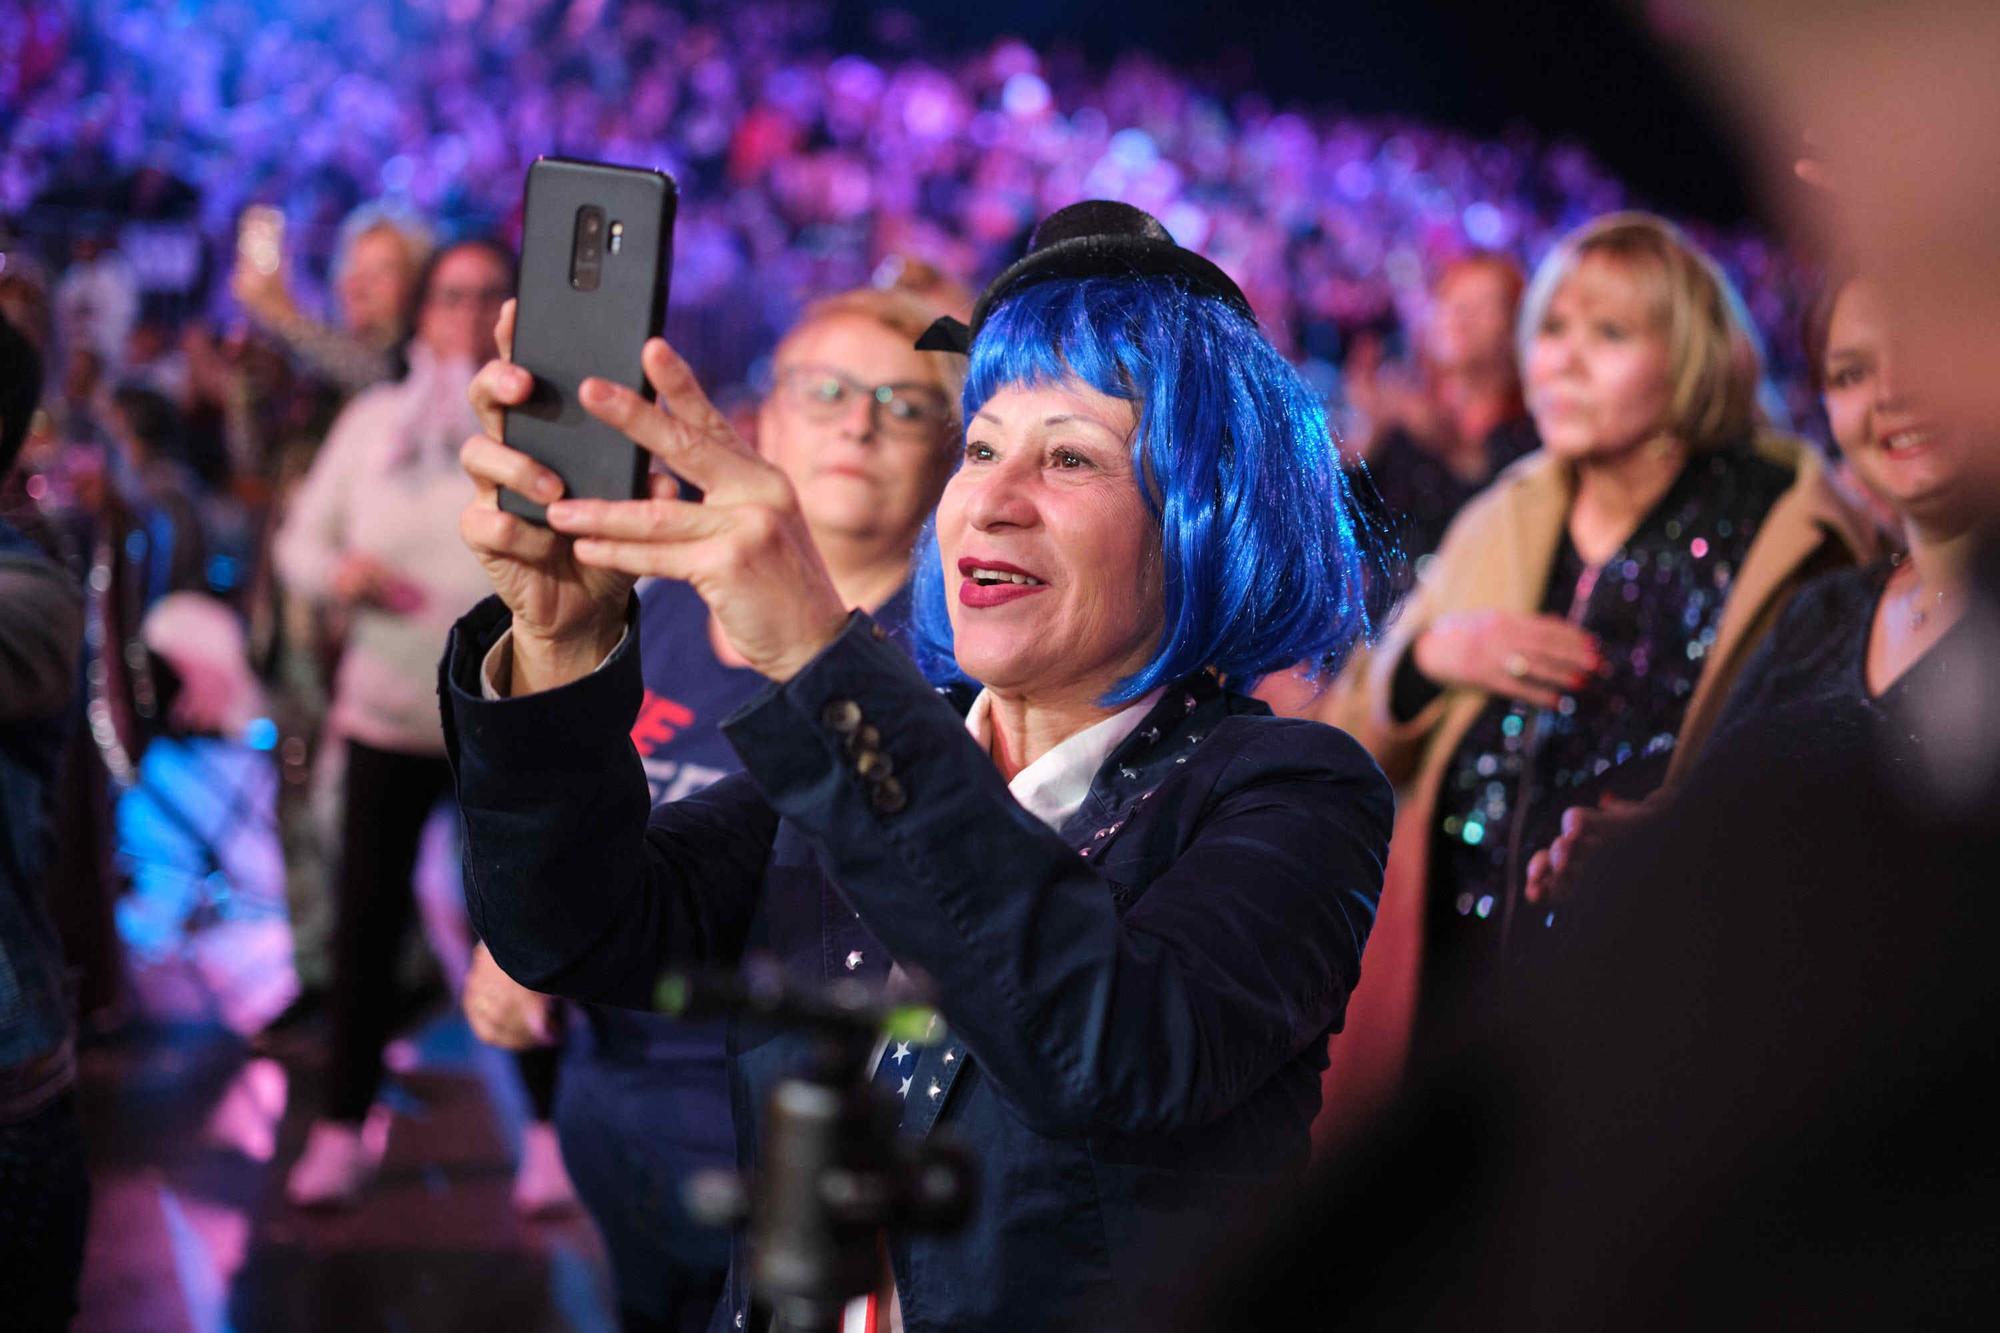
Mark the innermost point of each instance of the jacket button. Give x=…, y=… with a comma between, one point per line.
x=873, y=765
x=842, y=715
x=888, y=796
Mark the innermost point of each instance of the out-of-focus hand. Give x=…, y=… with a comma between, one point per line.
x=1551, y=872
x=362, y=580
x=744, y=547
x=502, y=1011
x=1534, y=658
x=266, y=296
x=567, y=615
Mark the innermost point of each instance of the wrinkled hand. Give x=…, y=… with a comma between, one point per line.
x=502, y=1011
x=567, y=616
x=1552, y=871
x=363, y=580
x=744, y=547
x=1534, y=658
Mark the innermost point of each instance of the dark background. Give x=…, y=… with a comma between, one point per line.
x=1594, y=71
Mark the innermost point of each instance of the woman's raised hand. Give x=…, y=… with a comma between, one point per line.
x=1551, y=872
x=1534, y=658
x=744, y=547
x=567, y=615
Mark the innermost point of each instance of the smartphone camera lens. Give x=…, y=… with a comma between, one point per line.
x=587, y=249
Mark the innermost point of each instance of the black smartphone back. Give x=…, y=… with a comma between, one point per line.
x=597, y=245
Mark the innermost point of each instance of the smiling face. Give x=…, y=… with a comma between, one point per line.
x=865, y=470
x=1051, y=560
x=1598, y=373
x=1901, y=452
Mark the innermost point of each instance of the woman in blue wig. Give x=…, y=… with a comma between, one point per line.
x=1136, y=898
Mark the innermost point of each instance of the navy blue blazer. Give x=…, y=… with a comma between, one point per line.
x=1138, y=1005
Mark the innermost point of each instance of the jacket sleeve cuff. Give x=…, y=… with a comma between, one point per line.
x=517, y=730
x=799, y=739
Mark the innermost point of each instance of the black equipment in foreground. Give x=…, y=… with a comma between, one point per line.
x=834, y=1171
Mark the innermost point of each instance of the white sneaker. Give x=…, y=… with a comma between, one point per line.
x=541, y=1184
x=338, y=1162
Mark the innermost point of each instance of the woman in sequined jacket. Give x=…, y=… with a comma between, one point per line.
x=1138, y=899
x=1585, y=617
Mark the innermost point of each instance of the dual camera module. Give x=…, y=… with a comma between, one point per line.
x=593, y=237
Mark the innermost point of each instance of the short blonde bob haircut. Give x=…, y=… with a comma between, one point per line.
x=1713, y=358
x=903, y=312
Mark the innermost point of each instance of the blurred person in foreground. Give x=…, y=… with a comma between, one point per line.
x=44, y=1187
x=1755, y=1093
x=1138, y=898
x=371, y=534
x=1751, y=1090
x=862, y=424
x=1585, y=617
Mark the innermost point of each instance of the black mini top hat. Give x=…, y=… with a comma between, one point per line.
x=1094, y=239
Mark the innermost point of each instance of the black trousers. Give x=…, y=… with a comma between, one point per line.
x=44, y=1214
x=389, y=797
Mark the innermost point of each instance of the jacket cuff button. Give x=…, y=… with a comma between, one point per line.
x=888, y=796
x=842, y=715
x=873, y=765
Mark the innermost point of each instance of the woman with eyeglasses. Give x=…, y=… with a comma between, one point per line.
x=372, y=535
x=861, y=424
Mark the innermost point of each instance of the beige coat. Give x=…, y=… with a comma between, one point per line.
x=1497, y=555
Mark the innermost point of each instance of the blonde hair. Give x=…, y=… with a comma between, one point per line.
x=901, y=311
x=1712, y=359
x=415, y=234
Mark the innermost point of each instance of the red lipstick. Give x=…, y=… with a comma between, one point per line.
x=994, y=582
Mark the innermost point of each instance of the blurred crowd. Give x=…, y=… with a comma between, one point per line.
x=258, y=261
x=154, y=125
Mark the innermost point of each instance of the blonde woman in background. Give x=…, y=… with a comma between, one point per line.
x=1583, y=620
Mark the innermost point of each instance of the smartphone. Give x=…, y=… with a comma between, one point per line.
x=260, y=238
x=596, y=250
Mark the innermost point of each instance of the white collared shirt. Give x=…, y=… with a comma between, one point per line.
x=1053, y=787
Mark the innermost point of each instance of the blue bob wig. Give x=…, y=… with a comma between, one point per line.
x=1266, y=561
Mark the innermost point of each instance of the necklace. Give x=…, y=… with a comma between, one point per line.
x=1918, y=608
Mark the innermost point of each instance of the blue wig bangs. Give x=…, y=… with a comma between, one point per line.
x=1266, y=563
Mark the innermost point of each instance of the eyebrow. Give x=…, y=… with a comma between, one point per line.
x=1059, y=419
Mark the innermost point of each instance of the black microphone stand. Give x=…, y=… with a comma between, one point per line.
x=834, y=1173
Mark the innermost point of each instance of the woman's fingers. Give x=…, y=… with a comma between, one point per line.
x=492, y=465
x=644, y=559
x=498, y=386
x=662, y=519
x=1527, y=688
x=503, y=328
x=714, y=460
x=1562, y=641
x=1536, y=884
x=675, y=383
x=485, y=528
